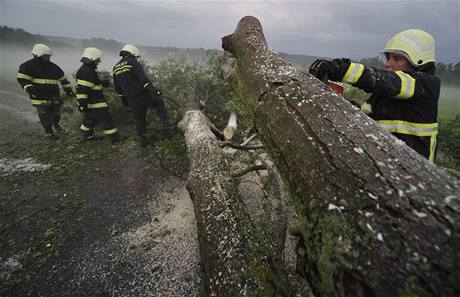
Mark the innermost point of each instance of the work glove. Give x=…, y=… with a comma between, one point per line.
x=124, y=101
x=70, y=92
x=151, y=89
x=82, y=105
x=333, y=70
x=320, y=69
x=32, y=91
x=105, y=83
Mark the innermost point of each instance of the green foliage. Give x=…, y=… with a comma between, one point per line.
x=175, y=75
x=449, y=143
x=354, y=94
x=174, y=156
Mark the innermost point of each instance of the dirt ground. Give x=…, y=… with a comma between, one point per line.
x=89, y=219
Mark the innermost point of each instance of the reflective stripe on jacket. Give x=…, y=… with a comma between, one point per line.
x=129, y=77
x=43, y=77
x=89, y=87
x=404, y=103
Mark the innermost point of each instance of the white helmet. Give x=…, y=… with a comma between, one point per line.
x=92, y=53
x=416, y=45
x=131, y=49
x=41, y=49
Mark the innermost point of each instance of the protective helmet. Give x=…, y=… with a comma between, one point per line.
x=416, y=45
x=92, y=53
x=40, y=49
x=131, y=49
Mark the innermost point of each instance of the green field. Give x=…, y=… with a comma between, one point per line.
x=449, y=102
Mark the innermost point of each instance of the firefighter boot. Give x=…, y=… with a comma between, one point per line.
x=92, y=137
x=58, y=129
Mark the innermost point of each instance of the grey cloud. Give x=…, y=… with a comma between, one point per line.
x=330, y=28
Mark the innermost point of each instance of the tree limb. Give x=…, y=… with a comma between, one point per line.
x=239, y=146
x=376, y=218
x=250, y=169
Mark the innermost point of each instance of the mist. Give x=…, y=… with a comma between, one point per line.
x=11, y=56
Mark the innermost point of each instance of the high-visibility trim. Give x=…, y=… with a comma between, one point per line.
x=40, y=102
x=24, y=76
x=408, y=128
x=146, y=84
x=44, y=81
x=433, y=143
x=82, y=96
x=84, y=128
x=98, y=105
x=407, y=85
x=403, y=127
x=118, y=69
x=26, y=86
x=110, y=131
x=97, y=88
x=354, y=72
x=85, y=83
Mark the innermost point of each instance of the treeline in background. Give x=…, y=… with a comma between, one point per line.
x=173, y=69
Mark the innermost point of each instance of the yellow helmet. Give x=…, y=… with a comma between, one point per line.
x=416, y=45
x=131, y=49
x=92, y=53
x=41, y=49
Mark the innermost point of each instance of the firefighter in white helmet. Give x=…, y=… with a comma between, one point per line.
x=405, y=95
x=40, y=78
x=91, y=100
x=135, y=90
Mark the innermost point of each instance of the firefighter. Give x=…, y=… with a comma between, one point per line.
x=137, y=92
x=40, y=78
x=405, y=95
x=90, y=99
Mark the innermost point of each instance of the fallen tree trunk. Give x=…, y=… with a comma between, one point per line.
x=376, y=219
x=236, y=260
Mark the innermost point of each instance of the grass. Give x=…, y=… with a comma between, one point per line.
x=449, y=102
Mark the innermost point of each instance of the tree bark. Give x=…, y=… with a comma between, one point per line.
x=236, y=260
x=376, y=219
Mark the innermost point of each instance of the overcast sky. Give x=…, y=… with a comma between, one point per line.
x=353, y=29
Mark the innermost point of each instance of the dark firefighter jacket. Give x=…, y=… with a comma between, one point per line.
x=404, y=103
x=41, y=80
x=129, y=78
x=89, y=87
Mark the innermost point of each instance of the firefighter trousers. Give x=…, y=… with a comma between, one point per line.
x=50, y=116
x=139, y=106
x=425, y=146
x=94, y=116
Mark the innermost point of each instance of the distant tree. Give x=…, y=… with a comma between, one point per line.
x=20, y=37
x=372, y=62
x=101, y=43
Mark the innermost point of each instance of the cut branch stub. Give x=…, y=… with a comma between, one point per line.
x=231, y=126
x=375, y=217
